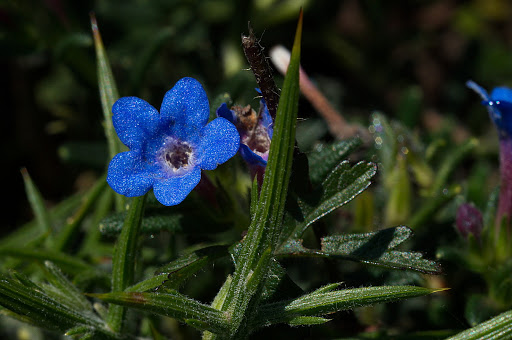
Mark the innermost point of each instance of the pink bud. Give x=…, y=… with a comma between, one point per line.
x=469, y=220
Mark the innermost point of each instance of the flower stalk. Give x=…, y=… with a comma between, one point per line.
x=505, y=202
x=499, y=106
x=259, y=244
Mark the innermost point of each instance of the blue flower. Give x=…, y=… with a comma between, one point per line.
x=255, y=130
x=499, y=105
x=168, y=149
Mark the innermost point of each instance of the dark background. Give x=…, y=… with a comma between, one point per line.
x=364, y=55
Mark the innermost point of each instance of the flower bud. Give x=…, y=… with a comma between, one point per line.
x=469, y=220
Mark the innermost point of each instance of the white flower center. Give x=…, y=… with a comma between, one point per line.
x=177, y=156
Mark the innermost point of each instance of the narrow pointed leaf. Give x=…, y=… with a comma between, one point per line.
x=499, y=327
x=78, y=330
x=174, y=305
x=176, y=272
x=42, y=310
x=451, y=160
x=70, y=291
x=217, y=303
x=108, y=94
x=32, y=233
x=37, y=203
x=307, y=321
x=330, y=302
x=70, y=230
x=68, y=263
x=262, y=232
x=432, y=205
x=108, y=89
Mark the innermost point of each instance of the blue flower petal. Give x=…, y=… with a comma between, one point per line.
x=135, y=120
x=501, y=113
x=224, y=112
x=128, y=175
x=266, y=119
x=502, y=94
x=185, y=106
x=478, y=89
x=173, y=190
x=499, y=106
x=219, y=142
x=250, y=157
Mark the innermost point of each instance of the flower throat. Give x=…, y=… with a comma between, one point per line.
x=177, y=155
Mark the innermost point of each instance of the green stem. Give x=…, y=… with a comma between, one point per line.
x=123, y=261
x=259, y=244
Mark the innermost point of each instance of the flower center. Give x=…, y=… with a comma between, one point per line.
x=177, y=155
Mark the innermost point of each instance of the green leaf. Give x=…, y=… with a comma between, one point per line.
x=262, y=233
x=70, y=230
x=32, y=233
x=192, y=217
x=218, y=302
x=318, y=304
x=340, y=187
x=123, y=261
x=78, y=330
x=307, y=321
x=173, y=274
x=91, y=243
x=398, y=185
x=376, y=248
x=279, y=285
x=69, y=263
x=108, y=95
x=451, y=160
x=36, y=307
x=65, y=288
x=174, y=305
x=113, y=224
x=499, y=327
x=432, y=205
x=385, y=142
x=37, y=203
x=309, y=132
x=479, y=308
x=325, y=157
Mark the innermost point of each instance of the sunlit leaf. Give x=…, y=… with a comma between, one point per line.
x=499, y=327
x=318, y=304
x=376, y=248
x=174, y=305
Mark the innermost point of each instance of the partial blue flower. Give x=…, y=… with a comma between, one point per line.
x=255, y=131
x=499, y=105
x=168, y=149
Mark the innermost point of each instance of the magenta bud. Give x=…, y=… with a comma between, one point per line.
x=469, y=220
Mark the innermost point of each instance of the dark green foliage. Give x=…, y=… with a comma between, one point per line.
x=374, y=213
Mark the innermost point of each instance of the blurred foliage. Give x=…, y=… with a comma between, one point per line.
x=433, y=143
